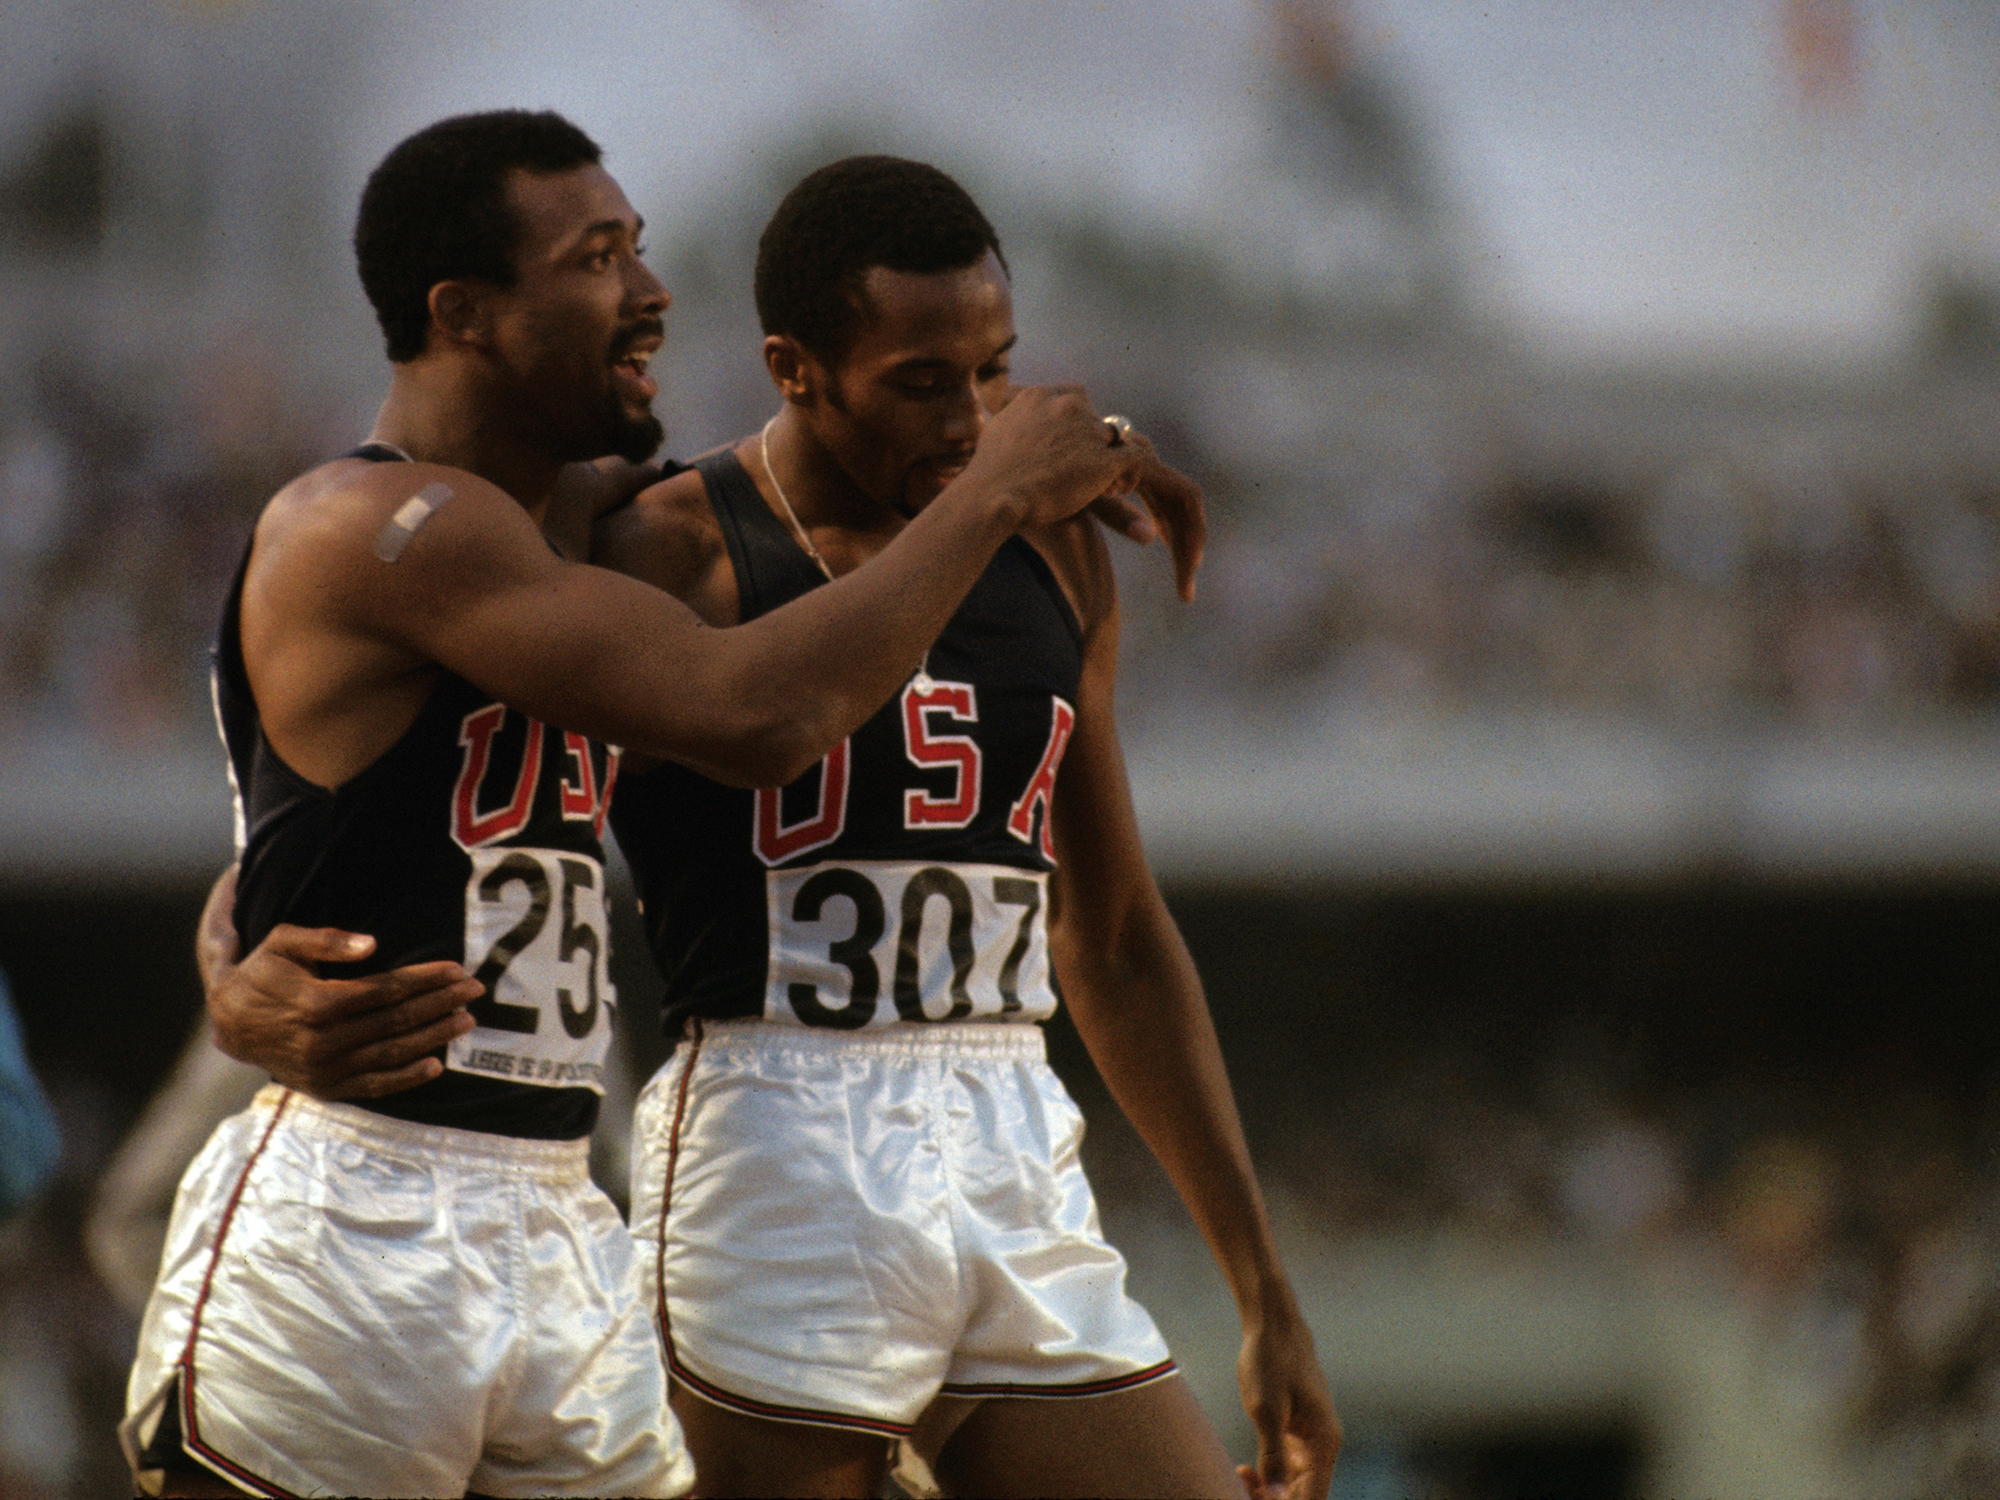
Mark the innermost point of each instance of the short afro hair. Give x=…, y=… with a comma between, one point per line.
x=436, y=210
x=855, y=214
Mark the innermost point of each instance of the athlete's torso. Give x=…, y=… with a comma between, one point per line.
x=475, y=837
x=904, y=879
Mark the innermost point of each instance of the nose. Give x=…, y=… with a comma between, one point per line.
x=645, y=291
x=966, y=415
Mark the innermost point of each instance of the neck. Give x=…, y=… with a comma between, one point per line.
x=440, y=413
x=820, y=490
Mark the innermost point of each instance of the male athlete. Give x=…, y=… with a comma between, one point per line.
x=420, y=700
x=856, y=1184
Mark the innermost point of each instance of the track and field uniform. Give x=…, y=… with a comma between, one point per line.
x=856, y=1182
x=425, y=1293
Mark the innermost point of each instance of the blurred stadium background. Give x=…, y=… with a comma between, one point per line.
x=1579, y=777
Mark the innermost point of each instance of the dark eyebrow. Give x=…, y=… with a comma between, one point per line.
x=921, y=363
x=637, y=227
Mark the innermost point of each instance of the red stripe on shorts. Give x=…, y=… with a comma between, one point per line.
x=750, y=1406
x=667, y=1192
x=191, y=1438
x=709, y=1391
x=1146, y=1376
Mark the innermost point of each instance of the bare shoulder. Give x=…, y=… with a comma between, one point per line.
x=357, y=543
x=669, y=537
x=1076, y=554
x=352, y=501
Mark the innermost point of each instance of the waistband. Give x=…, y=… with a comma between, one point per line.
x=424, y=1145
x=944, y=1039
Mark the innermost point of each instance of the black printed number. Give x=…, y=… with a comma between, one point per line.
x=851, y=952
x=917, y=896
x=486, y=1010
x=577, y=936
x=1026, y=894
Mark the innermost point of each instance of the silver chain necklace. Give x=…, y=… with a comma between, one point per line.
x=922, y=680
x=764, y=452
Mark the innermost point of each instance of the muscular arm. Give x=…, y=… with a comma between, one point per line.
x=1137, y=1002
x=478, y=592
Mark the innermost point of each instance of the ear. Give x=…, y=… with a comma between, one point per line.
x=461, y=311
x=797, y=375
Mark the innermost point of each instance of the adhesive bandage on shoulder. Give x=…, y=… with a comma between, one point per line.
x=411, y=514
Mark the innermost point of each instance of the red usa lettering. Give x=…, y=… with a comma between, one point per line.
x=929, y=749
x=775, y=842
x=1042, y=785
x=582, y=802
x=470, y=828
x=875, y=942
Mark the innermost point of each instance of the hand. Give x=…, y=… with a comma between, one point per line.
x=1175, y=506
x=1298, y=1431
x=1052, y=454
x=586, y=492
x=334, y=1038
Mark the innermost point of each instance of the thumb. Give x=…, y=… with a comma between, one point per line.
x=1273, y=1472
x=307, y=945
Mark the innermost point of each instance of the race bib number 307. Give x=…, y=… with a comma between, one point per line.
x=536, y=937
x=872, y=943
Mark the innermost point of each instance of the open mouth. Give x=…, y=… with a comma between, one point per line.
x=630, y=368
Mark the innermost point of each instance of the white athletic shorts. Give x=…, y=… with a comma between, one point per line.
x=846, y=1223
x=352, y=1305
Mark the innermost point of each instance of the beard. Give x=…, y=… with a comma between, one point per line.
x=634, y=438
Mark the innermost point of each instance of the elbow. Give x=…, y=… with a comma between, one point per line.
x=768, y=754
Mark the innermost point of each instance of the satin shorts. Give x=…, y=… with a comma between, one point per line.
x=835, y=1227
x=350, y=1304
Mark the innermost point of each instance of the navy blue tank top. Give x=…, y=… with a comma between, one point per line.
x=475, y=837
x=905, y=878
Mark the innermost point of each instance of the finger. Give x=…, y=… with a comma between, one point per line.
x=1126, y=516
x=327, y=1003
x=1176, y=503
x=398, y=1052
x=1261, y=1488
x=1271, y=1464
x=376, y=1085
x=312, y=945
x=1312, y=1454
x=408, y=1013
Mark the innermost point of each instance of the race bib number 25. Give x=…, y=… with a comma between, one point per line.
x=536, y=937
x=872, y=943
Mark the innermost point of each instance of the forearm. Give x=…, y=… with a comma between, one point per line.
x=1138, y=1005
x=749, y=705
x=215, y=935
x=830, y=659
x=783, y=689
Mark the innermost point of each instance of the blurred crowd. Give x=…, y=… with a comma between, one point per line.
x=1853, y=1212
x=1693, y=591
x=1704, y=591
x=127, y=491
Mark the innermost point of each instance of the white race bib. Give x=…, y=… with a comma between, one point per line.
x=874, y=942
x=536, y=937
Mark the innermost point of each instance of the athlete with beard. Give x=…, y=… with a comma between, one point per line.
x=423, y=1294
x=856, y=1186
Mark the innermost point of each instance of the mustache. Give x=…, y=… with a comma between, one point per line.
x=631, y=334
